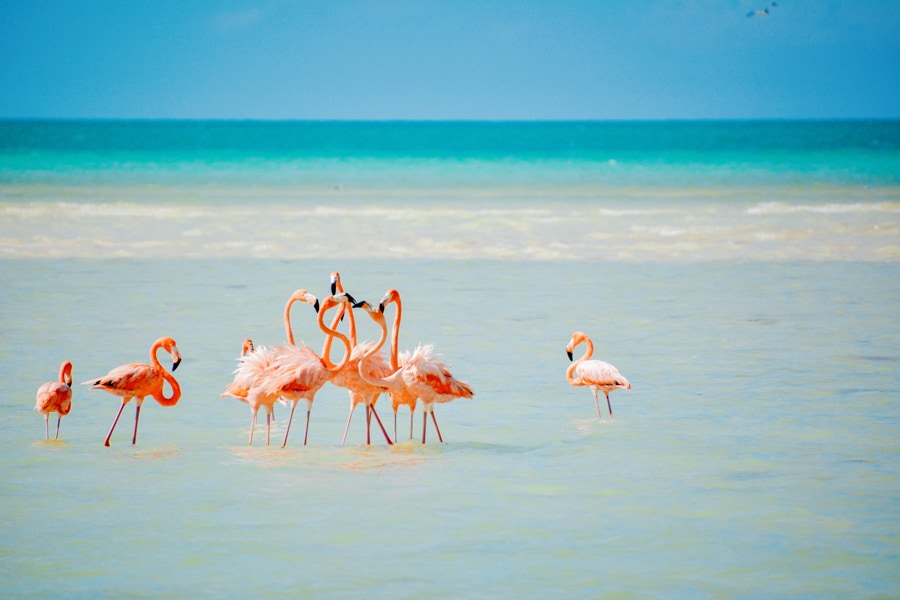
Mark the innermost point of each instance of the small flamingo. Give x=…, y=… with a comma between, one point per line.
x=420, y=375
x=300, y=373
x=254, y=361
x=595, y=374
x=55, y=396
x=139, y=380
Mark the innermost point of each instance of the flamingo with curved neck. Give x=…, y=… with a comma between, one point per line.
x=299, y=373
x=139, y=380
x=55, y=396
x=596, y=375
x=420, y=376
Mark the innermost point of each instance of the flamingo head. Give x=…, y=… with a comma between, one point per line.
x=336, y=283
x=304, y=296
x=390, y=295
x=247, y=347
x=168, y=344
x=65, y=373
x=577, y=338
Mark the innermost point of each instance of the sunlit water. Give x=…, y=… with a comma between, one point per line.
x=756, y=455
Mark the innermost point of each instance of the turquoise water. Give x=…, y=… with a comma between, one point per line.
x=754, y=312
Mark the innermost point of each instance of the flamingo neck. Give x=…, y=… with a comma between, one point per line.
x=65, y=373
x=160, y=396
x=326, y=356
x=395, y=335
x=373, y=350
x=589, y=351
x=288, y=330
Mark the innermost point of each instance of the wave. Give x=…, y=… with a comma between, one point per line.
x=781, y=208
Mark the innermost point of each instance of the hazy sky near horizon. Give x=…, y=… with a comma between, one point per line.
x=449, y=59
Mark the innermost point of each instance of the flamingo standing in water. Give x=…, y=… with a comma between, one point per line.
x=348, y=376
x=256, y=365
x=392, y=296
x=252, y=362
x=594, y=374
x=300, y=373
x=139, y=380
x=420, y=376
x=55, y=396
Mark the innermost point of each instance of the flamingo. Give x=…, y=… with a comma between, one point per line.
x=139, y=380
x=256, y=365
x=595, y=374
x=254, y=361
x=55, y=396
x=420, y=376
x=348, y=376
x=299, y=372
x=392, y=296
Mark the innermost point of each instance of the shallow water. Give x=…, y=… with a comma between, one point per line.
x=743, y=276
x=756, y=454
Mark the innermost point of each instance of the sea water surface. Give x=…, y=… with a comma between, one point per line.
x=743, y=276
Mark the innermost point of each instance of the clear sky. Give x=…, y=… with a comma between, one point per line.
x=449, y=59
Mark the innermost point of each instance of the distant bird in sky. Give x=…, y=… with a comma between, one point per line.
x=596, y=375
x=139, y=380
x=762, y=12
x=55, y=396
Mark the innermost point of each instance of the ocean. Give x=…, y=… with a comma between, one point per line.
x=743, y=276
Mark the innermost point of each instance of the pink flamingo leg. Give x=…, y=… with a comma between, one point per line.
x=608, y=405
x=252, y=426
x=58, y=421
x=424, y=424
x=383, y=430
x=347, y=428
x=47, y=424
x=116, y=420
x=137, y=416
x=291, y=420
x=368, y=425
x=268, y=427
x=305, y=435
x=433, y=418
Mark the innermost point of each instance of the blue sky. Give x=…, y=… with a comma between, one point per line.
x=450, y=59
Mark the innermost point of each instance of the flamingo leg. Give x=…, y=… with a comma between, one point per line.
x=347, y=428
x=424, y=424
x=368, y=425
x=290, y=420
x=116, y=420
x=433, y=418
x=252, y=425
x=137, y=416
x=268, y=427
x=47, y=425
x=597, y=402
x=380, y=424
x=608, y=405
x=411, y=412
x=306, y=434
x=395, y=425
x=58, y=421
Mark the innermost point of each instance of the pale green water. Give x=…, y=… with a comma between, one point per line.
x=757, y=454
x=743, y=276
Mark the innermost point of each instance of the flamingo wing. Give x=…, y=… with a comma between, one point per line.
x=135, y=379
x=54, y=396
x=601, y=374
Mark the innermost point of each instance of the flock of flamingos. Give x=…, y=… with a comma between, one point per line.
x=291, y=373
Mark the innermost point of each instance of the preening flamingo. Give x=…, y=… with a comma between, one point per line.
x=595, y=374
x=55, y=396
x=139, y=380
x=300, y=373
x=420, y=376
x=253, y=363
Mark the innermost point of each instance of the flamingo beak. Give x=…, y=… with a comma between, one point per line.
x=359, y=304
x=333, y=286
x=381, y=307
x=569, y=353
x=176, y=363
x=316, y=306
x=350, y=298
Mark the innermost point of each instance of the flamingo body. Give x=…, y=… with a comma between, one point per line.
x=55, y=397
x=254, y=366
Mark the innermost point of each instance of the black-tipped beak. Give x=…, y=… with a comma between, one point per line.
x=176, y=363
x=350, y=298
x=333, y=287
x=359, y=304
x=316, y=306
x=381, y=307
x=569, y=354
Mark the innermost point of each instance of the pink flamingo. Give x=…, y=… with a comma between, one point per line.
x=594, y=374
x=348, y=376
x=257, y=365
x=300, y=373
x=392, y=296
x=420, y=376
x=55, y=396
x=139, y=380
